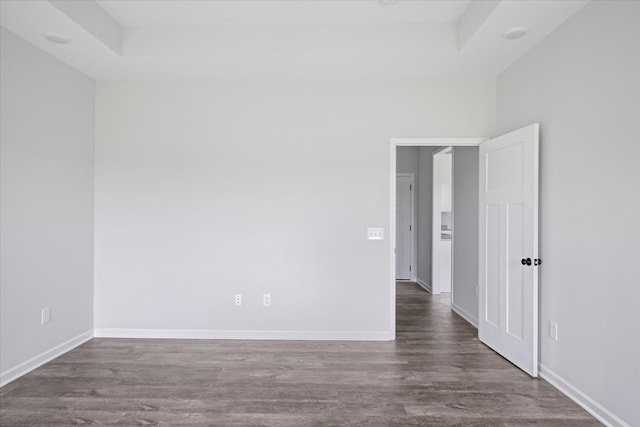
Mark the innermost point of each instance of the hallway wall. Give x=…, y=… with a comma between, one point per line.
x=465, y=232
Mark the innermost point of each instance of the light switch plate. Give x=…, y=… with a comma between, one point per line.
x=553, y=330
x=375, y=233
x=45, y=315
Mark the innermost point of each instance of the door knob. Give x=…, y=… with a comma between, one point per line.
x=537, y=261
x=526, y=261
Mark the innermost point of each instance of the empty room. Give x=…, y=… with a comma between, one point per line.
x=320, y=212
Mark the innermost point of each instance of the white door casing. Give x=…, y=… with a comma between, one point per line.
x=404, y=243
x=508, y=309
x=441, y=261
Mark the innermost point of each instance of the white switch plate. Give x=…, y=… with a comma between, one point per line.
x=266, y=300
x=375, y=233
x=45, y=315
x=237, y=300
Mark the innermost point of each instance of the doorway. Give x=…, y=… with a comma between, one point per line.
x=430, y=144
x=506, y=282
x=405, y=202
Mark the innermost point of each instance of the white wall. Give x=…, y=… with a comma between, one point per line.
x=582, y=84
x=465, y=232
x=46, y=207
x=207, y=189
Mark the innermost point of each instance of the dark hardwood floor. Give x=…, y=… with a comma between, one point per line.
x=436, y=373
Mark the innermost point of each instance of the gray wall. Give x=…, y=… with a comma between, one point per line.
x=465, y=232
x=425, y=211
x=407, y=160
x=46, y=206
x=582, y=84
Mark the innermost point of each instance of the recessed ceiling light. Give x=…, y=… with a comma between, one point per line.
x=515, y=33
x=58, y=38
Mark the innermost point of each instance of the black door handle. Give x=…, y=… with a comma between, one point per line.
x=526, y=261
x=537, y=261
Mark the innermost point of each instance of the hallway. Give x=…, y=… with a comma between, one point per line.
x=437, y=373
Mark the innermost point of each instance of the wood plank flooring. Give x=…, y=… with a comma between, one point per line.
x=436, y=373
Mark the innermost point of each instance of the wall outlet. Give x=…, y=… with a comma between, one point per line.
x=553, y=330
x=375, y=233
x=45, y=315
x=237, y=300
x=266, y=300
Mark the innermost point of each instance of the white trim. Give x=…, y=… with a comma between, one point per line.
x=213, y=334
x=392, y=240
x=453, y=236
x=393, y=144
x=601, y=413
x=414, y=238
x=425, y=285
x=464, y=314
x=435, y=142
x=46, y=356
x=436, y=220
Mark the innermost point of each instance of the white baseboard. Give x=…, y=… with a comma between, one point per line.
x=46, y=356
x=245, y=335
x=465, y=315
x=425, y=285
x=601, y=413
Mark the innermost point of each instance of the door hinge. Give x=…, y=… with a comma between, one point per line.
x=410, y=187
x=409, y=228
x=409, y=268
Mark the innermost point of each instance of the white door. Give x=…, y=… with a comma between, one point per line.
x=508, y=276
x=404, y=187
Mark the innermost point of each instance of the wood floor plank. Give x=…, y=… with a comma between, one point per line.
x=436, y=373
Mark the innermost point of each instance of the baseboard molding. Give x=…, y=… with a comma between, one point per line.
x=244, y=335
x=601, y=413
x=44, y=357
x=425, y=285
x=465, y=315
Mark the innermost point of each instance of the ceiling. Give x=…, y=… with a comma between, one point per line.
x=195, y=12
x=166, y=39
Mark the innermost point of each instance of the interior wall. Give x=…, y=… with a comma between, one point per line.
x=582, y=85
x=46, y=206
x=425, y=213
x=206, y=189
x=407, y=160
x=465, y=232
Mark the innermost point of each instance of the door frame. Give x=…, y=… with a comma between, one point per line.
x=394, y=143
x=414, y=241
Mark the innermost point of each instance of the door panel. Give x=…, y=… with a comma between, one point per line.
x=515, y=272
x=492, y=310
x=508, y=318
x=504, y=169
